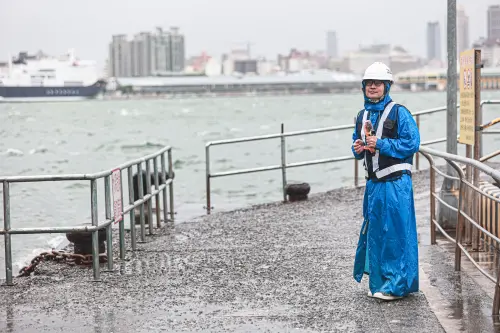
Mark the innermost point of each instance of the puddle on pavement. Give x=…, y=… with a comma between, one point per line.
x=459, y=307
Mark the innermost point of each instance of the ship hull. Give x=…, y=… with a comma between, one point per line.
x=10, y=94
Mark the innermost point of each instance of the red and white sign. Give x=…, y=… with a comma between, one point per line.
x=116, y=188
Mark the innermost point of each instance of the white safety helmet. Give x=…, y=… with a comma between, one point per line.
x=378, y=71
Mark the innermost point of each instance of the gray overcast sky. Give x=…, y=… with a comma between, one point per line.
x=216, y=26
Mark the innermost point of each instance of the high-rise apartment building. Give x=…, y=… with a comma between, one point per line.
x=331, y=44
x=493, y=22
x=119, y=56
x=147, y=54
x=433, y=41
x=177, y=48
x=463, y=42
x=163, y=51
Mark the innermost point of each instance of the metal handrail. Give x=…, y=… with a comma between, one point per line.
x=462, y=215
x=495, y=174
x=489, y=156
x=92, y=176
x=489, y=124
x=166, y=175
x=284, y=165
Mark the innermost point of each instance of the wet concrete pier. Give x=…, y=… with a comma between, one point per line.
x=269, y=268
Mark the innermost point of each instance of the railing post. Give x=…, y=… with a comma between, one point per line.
x=7, y=236
x=148, y=191
x=132, y=212
x=171, y=186
x=468, y=197
x=283, y=161
x=432, y=196
x=157, y=196
x=481, y=151
x=121, y=224
x=433, y=201
x=95, y=223
x=109, y=235
x=164, y=193
x=207, y=177
x=417, y=155
x=477, y=143
x=496, y=299
x=141, y=197
x=459, y=226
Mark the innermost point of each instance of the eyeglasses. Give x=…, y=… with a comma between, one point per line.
x=377, y=83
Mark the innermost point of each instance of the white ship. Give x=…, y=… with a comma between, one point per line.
x=42, y=78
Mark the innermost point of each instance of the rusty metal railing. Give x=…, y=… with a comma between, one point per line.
x=466, y=211
x=144, y=198
x=283, y=166
x=418, y=114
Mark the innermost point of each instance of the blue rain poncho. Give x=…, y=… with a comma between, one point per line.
x=387, y=249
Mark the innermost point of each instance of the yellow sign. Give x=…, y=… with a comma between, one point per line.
x=467, y=94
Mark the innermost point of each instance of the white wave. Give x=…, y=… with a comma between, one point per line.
x=13, y=152
x=202, y=133
x=25, y=259
x=41, y=150
x=56, y=243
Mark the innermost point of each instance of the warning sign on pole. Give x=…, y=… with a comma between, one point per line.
x=116, y=186
x=467, y=96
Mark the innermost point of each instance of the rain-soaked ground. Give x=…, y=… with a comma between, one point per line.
x=269, y=268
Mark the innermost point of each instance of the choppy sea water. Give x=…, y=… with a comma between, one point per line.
x=84, y=137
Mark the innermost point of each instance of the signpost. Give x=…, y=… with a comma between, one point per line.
x=116, y=186
x=467, y=97
x=470, y=120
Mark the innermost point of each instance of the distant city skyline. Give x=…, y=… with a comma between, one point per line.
x=217, y=27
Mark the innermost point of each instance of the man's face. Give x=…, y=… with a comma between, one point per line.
x=374, y=89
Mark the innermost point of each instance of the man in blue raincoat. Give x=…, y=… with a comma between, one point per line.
x=387, y=249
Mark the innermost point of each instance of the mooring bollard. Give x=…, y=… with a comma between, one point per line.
x=297, y=191
x=82, y=241
x=137, y=214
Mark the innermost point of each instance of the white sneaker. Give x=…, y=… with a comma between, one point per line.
x=370, y=293
x=386, y=297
